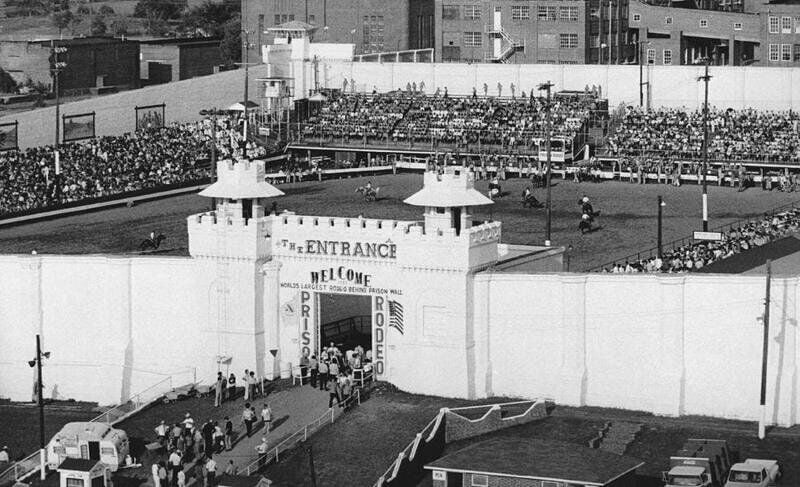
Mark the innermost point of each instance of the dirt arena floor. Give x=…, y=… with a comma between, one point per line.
x=627, y=224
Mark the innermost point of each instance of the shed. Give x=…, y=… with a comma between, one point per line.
x=80, y=472
x=529, y=463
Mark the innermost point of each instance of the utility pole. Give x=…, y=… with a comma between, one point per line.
x=246, y=46
x=39, y=390
x=547, y=86
x=610, y=27
x=660, y=206
x=642, y=83
x=311, y=465
x=57, y=67
x=763, y=420
x=706, y=78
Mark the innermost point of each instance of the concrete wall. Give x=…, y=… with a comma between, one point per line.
x=672, y=345
x=116, y=115
x=674, y=86
x=114, y=325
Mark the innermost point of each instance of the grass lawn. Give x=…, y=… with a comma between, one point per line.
x=628, y=218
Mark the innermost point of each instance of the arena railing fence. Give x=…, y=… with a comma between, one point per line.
x=671, y=245
x=21, y=469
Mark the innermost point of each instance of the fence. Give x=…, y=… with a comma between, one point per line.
x=135, y=403
x=724, y=229
x=301, y=435
x=21, y=469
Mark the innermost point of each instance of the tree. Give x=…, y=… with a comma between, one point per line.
x=210, y=17
x=163, y=9
x=105, y=10
x=231, y=44
x=7, y=83
x=98, y=26
x=119, y=27
x=62, y=20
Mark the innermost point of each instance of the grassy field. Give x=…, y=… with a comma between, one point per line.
x=348, y=453
x=628, y=221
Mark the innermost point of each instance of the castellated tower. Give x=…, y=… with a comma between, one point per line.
x=231, y=244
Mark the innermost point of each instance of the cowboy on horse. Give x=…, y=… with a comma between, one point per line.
x=370, y=193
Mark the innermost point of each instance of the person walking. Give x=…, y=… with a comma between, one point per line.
x=219, y=388
x=231, y=386
x=313, y=369
x=200, y=472
x=208, y=438
x=161, y=433
x=266, y=417
x=162, y=474
x=246, y=379
x=323, y=373
x=211, y=472
x=181, y=478
x=175, y=465
x=251, y=384
x=228, y=433
x=333, y=394
x=247, y=419
x=262, y=449
x=156, y=478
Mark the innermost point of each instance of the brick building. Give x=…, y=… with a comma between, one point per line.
x=763, y=34
x=165, y=60
x=372, y=25
x=93, y=64
x=539, y=31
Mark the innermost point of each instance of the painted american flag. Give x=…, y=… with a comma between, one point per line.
x=396, y=316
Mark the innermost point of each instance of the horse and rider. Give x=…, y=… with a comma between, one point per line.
x=495, y=191
x=528, y=199
x=588, y=215
x=368, y=192
x=153, y=242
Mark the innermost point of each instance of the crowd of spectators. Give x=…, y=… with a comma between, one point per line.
x=734, y=135
x=403, y=116
x=106, y=166
x=693, y=257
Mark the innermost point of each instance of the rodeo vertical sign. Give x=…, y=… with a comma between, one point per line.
x=307, y=325
x=379, y=310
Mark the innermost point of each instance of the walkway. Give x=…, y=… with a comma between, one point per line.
x=292, y=409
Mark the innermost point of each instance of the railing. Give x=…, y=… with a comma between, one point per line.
x=425, y=432
x=21, y=469
x=273, y=455
x=652, y=251
x=135, y=403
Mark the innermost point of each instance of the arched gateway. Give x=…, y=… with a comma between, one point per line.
x=402, y=289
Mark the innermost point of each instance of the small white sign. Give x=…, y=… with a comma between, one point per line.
x=708, y=236
x=439, y=475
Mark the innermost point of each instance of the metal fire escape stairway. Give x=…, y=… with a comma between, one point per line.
x=509, y=45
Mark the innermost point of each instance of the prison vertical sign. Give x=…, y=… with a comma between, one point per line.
x=379, y=312
x=307, y=323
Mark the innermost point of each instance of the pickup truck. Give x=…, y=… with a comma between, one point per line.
x=754, y=473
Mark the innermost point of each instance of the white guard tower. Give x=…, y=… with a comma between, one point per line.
x=232, y=243
x=446, y=197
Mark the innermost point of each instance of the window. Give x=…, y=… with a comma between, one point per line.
x=547, y=14
x=637, y=17
x=797, y=53
x=277, y=19
x=373, y=32
x=472, y=12
x=473, y=39
x=568, y=14
x=651, y=56
x=479, y=480
x=568, y=41
x=520, y=12
x=312, y=19
x=667, y=56
x=107, y=452
x=667, y=20
x=284, y=18
x=703, y=23
x=74, y=482
x=773, y=25
x=261, y=23
x=450, y=12
x=786, y=25
x=773, y=52
x=786, y=52
x=737, y=26
x=797, y=25
x=291, y=17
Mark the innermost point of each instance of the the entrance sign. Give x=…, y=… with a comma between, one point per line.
x=352, y=249
x=379, y=309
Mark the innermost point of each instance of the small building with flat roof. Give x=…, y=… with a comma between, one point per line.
x=533, y=463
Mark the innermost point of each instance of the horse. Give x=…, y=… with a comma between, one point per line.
x=370, y=194
x=495, y=191
x=529, y=200
x=152, y=243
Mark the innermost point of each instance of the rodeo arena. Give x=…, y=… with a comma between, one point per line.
x=405, y=274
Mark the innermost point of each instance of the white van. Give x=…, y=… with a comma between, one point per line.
x=90, y=441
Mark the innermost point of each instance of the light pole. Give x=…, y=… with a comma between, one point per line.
x=246, y=45
x=661, y=205
x=57, y=67
x=37, y=362
x=547, y=86
x=600, y=55
x=762, y=422
x=640, y=47
x=706, y=78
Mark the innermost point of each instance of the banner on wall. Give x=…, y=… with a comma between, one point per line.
x=8, y=136
x=78, y=127
x=380, y=310
x=150, y=116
